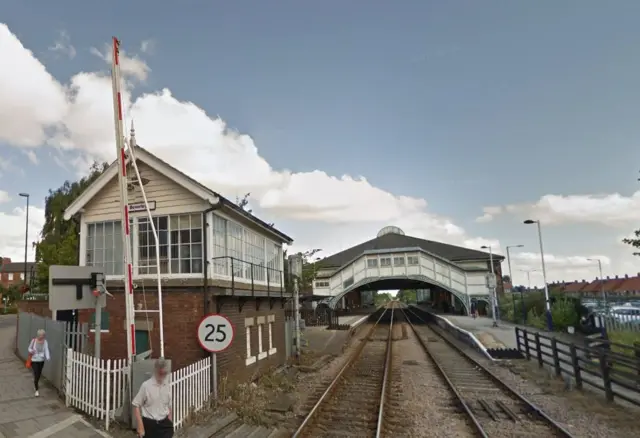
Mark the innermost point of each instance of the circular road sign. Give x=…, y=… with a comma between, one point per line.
x=215, y=333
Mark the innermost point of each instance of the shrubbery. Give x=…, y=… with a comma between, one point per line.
x=566, y=312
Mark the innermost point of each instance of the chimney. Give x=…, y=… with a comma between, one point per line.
x=616, y=277
x=626, y=275
x=607, y=277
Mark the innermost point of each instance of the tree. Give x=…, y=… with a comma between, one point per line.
x=635, y=242
x=244, y=202
x=408, y=296
x=381, y=298
x=506, y=279
x=58, y=240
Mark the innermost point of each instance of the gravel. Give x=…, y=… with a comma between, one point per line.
x=427, y=401
x=583, y=414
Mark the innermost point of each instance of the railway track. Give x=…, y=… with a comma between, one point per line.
x=354, y=403
x=492, y=407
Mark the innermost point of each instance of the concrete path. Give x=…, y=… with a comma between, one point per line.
x=21, y=414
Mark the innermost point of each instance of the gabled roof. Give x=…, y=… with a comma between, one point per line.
x=393, y=240
x=164, y=168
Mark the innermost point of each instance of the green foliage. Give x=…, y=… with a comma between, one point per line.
x=382, y=298
x=565, y=311
x=635, y=242
x=12, y=293
x=58, y=244
x=408, y=296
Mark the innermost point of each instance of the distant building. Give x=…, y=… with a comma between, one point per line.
x=12, y=273
x=617, y=286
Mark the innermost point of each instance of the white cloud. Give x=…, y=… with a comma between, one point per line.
x=13, y=227
x=148, y=47
x=31, y=155
x=36, y=110
x=131, y=66
x=488, y=214
x=63, y=46
x=607, y=209
x=4, y=197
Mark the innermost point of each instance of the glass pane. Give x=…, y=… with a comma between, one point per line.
x=196, y=251
x=174, y=252
x=174, y=223
x=185, y=251
x=163, y=237
x=163, y=222
x=175, y=237
x=196, y=221
x=185, y=236
x=175, y=266
x=196, y=235
x=196, y=266
x=185, y=222
x=185, y=266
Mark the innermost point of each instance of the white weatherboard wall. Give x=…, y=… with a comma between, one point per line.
x=436, y=270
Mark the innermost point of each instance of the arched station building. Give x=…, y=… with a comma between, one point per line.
x=446, y=276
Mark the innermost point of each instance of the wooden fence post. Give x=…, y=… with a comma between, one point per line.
x=556, y=357
x=518, y=339
x=636, y=347
x=575, y=362
x=526, y=344
x=606, y=377
x=539, y=349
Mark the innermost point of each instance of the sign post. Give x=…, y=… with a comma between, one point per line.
x=78, y=287
x=215, y=334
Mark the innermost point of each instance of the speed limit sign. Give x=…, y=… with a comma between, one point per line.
x=215, y=333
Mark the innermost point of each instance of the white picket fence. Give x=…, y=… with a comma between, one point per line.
x=190, y=390
x=97, y=387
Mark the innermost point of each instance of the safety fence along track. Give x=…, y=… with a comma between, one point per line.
x=493, y=408
x=354, y=403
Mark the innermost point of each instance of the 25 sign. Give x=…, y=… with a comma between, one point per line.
x=215, y=333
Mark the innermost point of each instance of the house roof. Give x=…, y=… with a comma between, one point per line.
x=178, y=177
x=392, y=240
x=17, y=267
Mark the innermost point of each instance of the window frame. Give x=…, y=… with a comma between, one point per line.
x=386, y=262
x=415, y=258
x=401, y=258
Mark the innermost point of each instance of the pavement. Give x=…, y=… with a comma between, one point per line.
x=21, y=414
x=351, y=319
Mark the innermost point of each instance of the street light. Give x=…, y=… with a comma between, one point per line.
x=26, y=238
x=494, y=298
x=544, y=274
x=511, y=276
x=604, y=295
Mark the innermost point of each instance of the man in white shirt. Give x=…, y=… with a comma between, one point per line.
x=152, y=404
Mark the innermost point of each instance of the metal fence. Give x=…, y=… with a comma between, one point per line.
x=622, y=324
x=60, y=336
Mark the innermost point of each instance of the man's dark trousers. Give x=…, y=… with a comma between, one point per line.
x=157, y=429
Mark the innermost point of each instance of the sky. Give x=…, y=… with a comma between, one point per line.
x=453, y=120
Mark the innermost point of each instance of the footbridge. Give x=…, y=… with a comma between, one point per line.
x=448, y=275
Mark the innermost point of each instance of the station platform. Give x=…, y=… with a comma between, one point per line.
x=352, y=320
x=503, y=336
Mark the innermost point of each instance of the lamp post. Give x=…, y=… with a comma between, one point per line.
x=26, y=238
x=602, y=292
x=492, y=286
x=544, y=274
x=511, y=276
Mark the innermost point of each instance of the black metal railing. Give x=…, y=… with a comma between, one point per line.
x=611, y=367
x=319, y=317
x=247, y=272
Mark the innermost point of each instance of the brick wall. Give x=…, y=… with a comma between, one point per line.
x=38, y=307
x=183, y=311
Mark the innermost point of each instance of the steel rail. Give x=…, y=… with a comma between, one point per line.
x=326, y=395
x=385, y=377
x=483, y=368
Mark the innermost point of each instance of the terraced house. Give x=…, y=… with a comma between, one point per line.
x=214, y=258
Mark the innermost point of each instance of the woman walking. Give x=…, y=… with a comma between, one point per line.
x=39, y=352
